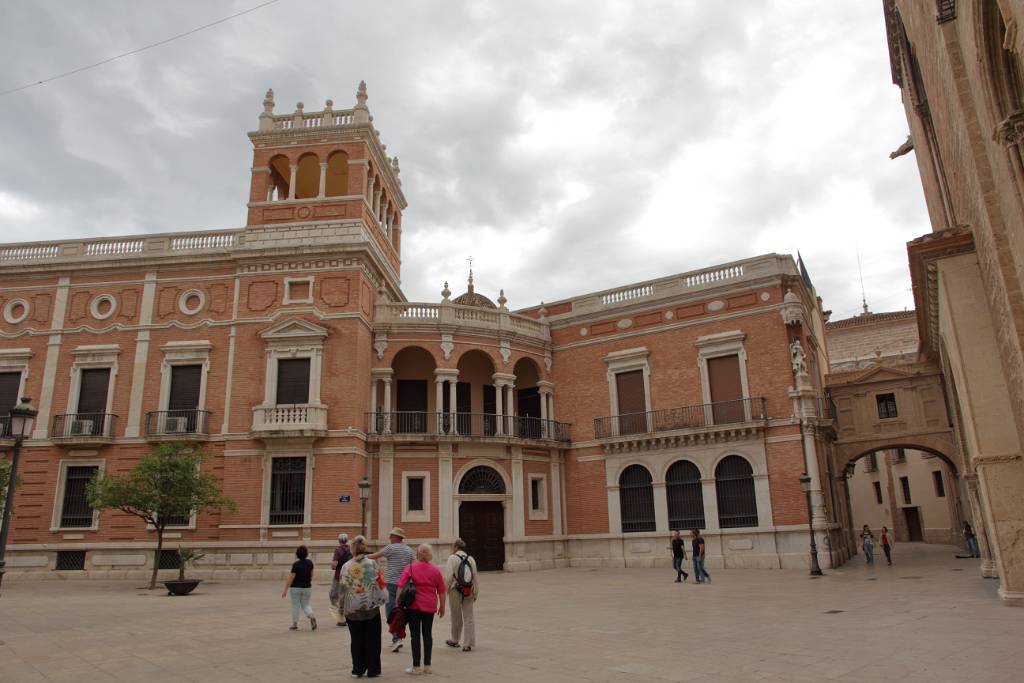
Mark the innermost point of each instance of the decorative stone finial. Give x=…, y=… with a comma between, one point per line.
x=445, y=293
x=299, y=107
x=329, y=104
x=501, y=299
x=394, y=166
x=361, y=113
x=268, y=101
x=469, y=282
x=542, y=311
x=792, y=312
x=267, y=116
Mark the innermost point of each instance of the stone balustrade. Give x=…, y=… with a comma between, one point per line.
x=406, y=313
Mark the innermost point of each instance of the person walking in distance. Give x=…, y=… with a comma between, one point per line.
x=886, y=540
x=679, y=556
x=427, y=599
x=397, y=556
x=867, y=540
x=342, y=554
x=971, y=540
x=363, y=593
x=299, y=586
x=463, y=588
x=700, y=575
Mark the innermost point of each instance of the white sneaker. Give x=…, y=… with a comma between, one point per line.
x=397, y=646
x=414, y=671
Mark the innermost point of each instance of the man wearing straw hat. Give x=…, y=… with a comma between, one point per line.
x=397, y=556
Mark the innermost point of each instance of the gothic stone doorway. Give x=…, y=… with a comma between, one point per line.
x=482, y=527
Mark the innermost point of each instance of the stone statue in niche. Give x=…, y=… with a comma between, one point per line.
x=797, y=357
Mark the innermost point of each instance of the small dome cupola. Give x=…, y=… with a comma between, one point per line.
x=471, y=298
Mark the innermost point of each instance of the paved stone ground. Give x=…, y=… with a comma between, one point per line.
x=928, y=618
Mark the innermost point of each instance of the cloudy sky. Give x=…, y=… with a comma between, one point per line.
x=566, y=146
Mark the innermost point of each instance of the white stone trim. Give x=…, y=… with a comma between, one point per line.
x=628, y=360
x=58, y=500
x=94, y=306
x=88, y=357
x=540, y=513
x=184, y=353
x=9, y=311
x=416, y=515
x=289, y=281
x=293, y=338
x=188, y=294
x=716, y=346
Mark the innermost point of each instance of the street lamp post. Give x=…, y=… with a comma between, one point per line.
x=805, y=484
x=364, y=495
x=22, y=417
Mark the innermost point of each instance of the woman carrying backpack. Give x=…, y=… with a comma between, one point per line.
x=463, y=589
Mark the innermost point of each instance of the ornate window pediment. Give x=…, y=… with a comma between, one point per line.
x=295, y=331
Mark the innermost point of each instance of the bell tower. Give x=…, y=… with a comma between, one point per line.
x=326, y=166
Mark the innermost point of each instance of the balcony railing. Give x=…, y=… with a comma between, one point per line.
x=83, y=427
x=684, y=417
x=177, y=423
x=826, y=408
x=290, y=420
x=467, y=424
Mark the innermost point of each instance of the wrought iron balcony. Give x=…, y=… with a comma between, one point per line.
x=293, y=420
x=83, y=428
x=702, y=416
x=466, y=425
x=182, y=425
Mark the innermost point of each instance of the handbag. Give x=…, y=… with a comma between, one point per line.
x=408, y=594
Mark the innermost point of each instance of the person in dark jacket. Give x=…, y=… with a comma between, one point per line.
x=679, y=556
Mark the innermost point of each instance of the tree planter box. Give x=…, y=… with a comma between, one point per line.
x=182, y=587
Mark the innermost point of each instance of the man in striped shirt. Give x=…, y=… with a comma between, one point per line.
x=397, y=555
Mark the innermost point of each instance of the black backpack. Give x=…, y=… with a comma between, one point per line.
x=464, y=576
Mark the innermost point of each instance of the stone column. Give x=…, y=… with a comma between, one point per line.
x=385, y=489
x=452, y=384
x=988, y=564
x=556, y=495
x=323, y=180
x=660, y=508
x=446, y=530
x=804, y=400
x=132, y=426
x=373, y=395
x=387, y=405
x=291, y=182
x=439, y=402
x=518, y=495
x=499, y=391
x=707, y=489
x=502, y=382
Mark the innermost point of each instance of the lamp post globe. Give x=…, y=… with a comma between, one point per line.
x=22, y=417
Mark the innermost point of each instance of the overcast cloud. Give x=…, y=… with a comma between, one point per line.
x=568, y=146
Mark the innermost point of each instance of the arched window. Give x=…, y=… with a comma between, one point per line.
x=482, y=479
x=280, y=174
x=636, y=499
x=734, y=486
x=337, y=174
x=307, y=179
x=685, y=498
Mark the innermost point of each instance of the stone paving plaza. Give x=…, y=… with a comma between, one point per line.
x=928, y=618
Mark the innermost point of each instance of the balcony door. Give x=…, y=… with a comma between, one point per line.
x=463, y=409
x=92, y=401
x=529, y=413
x=410, y=407
x=726, y=389
x=292, y=381
x=632, y=400
x=183, y=400
x=490, y=410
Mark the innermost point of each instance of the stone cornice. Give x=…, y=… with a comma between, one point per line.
x=922, y=254
x=681, y=438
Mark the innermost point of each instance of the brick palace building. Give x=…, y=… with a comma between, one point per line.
x=573, y=433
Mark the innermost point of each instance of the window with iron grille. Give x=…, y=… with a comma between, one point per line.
x=685, y=496
x=886, y=406
x=415, y=494
x=734, y=488
x=482, y=479
x=70, y=560
x=636, y=499
x=177, y=520
x=288, y=491
x=75, y=511
x=169, y=559
x=878, y=492
x=940, y=485
x=905, y=485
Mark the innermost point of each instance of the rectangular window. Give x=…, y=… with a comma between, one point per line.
x=905, y=485
x=70, y=560
x=535, y=493
x=940, y=485
x=177, y=520
x=292, y=381
x=900, y=456
x=10, y=382
x=629, y=388
x=186, y=381
x=726, y=389
x=92, y=392
x=878, y=492
x=886, y=406
x=414, y=495
x=872, y=464
x=75, y=512
x=288, y=491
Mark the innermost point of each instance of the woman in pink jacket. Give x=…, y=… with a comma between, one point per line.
x=429, y=599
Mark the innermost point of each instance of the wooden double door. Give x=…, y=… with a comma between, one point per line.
x=482, y=527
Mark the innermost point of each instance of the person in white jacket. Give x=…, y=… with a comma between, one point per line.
x=463, y=581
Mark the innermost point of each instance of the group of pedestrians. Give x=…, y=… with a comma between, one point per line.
x=403, y=581
x=697, y=550
x=867, y=543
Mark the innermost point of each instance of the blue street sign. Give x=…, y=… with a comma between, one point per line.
x=344, y=499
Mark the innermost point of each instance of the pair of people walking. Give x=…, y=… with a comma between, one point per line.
x=700, y=575
x=867, y=539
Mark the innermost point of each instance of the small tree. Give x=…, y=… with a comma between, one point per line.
x=164, y=484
